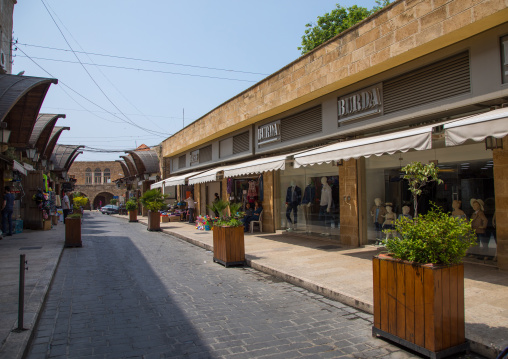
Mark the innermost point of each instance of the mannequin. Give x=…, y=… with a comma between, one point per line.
x=378, y=214
x=326, y=202
x=293, y=199
x=457, y=212
x=405, y=213
x=309, y=195
x=479, y=223
x=389, y=223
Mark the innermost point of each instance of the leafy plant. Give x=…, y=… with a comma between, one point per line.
x=225, y=220
x=218, y=206
x=434, y=237
x=113, y=201
x=131, y=204
x=74, y=215
x=79, y=201
x=418, y=175
x=153, y=200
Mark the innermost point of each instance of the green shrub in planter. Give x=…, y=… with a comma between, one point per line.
x=153, y=200
x=131, y=205
x=435, y=237
x=74, y=215
x=233, y=220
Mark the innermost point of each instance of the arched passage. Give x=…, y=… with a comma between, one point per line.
x=102, y=199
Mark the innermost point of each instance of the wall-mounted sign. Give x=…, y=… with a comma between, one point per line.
x=269, y=133
x=361, y=103
x=194, y=157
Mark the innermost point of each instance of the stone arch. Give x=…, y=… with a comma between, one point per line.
x=104, y=192
x=102, y=198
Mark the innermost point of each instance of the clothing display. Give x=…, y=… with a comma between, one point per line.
x=260, y=185
x=252, y=191
x=293, y=199
x=309, y=194
x=326, y=196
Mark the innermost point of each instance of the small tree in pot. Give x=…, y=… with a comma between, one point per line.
x=153, y=200
x=419, y=284
x=132, y=207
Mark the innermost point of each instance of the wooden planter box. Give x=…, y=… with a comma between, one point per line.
x=54, y=220
x=133, y=216
x=73, y=232
x=228, y=246
x=420, y=306
x=154, y=221
x=46, y=224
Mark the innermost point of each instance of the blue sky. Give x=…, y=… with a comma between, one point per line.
x=200, y=54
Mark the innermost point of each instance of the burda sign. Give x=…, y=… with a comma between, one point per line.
x=269, y=133
x=362, y=103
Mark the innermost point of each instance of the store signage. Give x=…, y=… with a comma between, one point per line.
x=362, y=103
x=194, y=157
x=269, y=133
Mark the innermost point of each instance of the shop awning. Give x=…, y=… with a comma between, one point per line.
x=19, y=167
x=207, y=176
x=174, y=181
x=477, y=127
x=403, y=141
x=257, y=166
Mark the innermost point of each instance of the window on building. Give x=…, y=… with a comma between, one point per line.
x=107, y=175
x=97, y=176
x=88, y=176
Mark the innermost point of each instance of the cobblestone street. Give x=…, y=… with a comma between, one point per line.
x=130, y=293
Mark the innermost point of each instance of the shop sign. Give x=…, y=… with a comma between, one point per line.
x=269, y=133
x=194, y=157
x=362, y=103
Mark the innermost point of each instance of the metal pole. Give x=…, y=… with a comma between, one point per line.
x=21, y=301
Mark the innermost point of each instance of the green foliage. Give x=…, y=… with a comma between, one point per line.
x=131, y=204
x=434, y=237
x=224, y=220
x=418, y=175
x=335, y=22
x=153, y=200
x=74, y=215
x=113, y=201
x=79, y=201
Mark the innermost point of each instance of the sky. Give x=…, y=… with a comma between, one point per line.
x=131, y=75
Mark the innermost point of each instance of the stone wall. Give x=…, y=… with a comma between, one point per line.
x=501, y=190
x=349, y=217
x=78, y=170
x=6, y=35
x=402, y=32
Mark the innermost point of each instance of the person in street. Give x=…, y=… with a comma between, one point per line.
x=215, y=200
x=66, y=205
x=7, y=208
x=255, y=216
x=191, y=205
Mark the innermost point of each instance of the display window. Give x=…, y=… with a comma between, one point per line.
x=468, y=177
x=245, y=190
x=308, y=201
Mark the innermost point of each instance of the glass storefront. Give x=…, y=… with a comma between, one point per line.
x=307, y=201
x=467, y=173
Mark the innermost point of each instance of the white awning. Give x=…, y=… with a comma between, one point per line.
x=257, y=166
x=477, y=127
x=28, y=167
x=19, y=167
x=207, y=176
x=174, y=180
x=417, y=138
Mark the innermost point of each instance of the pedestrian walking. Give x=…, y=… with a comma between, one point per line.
x=191, y=205
x=7, y=208
x=66, y=205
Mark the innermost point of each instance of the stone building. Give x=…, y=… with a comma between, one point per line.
x=417, y=81
x=96, y=180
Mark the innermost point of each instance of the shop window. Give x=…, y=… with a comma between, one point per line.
x=467, y=173
x=504, y=58
x=97, y=176
x=107, y=175
x=241, y=142
x=205, y=154
x=182, y=161
x=88, y=176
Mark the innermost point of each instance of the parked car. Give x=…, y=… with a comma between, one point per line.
x=109, y=209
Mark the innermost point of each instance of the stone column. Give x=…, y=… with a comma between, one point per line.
x=501, y=192
x=348, y=184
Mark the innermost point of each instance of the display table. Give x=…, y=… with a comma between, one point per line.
x=174, y=218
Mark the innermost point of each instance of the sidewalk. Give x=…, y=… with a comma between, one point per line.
x=325, y=267
x=345, y=274
x=42, y=251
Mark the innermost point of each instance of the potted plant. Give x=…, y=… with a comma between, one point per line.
x=153, y=200
x=228, y=236
x=113, y=201
x=73, y=230
x=419, y=283
x=132, y=207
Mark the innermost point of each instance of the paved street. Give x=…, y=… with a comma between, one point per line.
x=130, y=293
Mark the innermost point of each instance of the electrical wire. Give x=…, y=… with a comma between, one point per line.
x=146, y=60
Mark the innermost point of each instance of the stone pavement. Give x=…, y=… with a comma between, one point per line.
x=339, y=273
x=345, y=274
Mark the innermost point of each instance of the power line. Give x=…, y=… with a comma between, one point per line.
x=140, y=69
x=130, y=114
x=146, y=60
